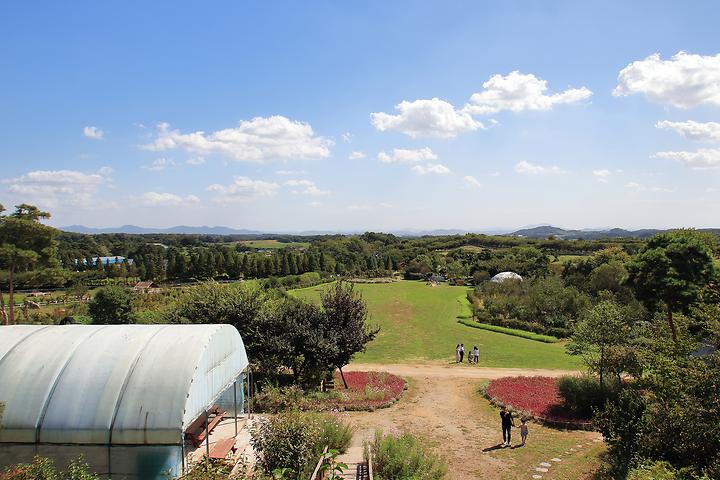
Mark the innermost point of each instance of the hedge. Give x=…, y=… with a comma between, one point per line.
x=510, y=331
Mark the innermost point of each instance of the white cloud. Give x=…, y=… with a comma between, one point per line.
x=159, y=164
x=93, y=132
x=368, y=206
x=602, y=175
x=258, y=140
x=426, y=118
x=105, y=171
x=708, y=131
x=702, y=159
x=243, y=189
x=158, y=199
x=527, y=168
x=356, y=155
x=347, y=137
x=518, y=92
x=289, y=172
x=400, y=155
x=686, y=80
x=195, y=161
x=472, y=181
x=57, y=188
x=643, y=188
x=308, y=187
x=434, y=168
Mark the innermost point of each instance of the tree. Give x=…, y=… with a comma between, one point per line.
x=25, y=243
x=659, y=414
x=347, y=315
x=111, y=306
x=672, y=269
x=603, y=337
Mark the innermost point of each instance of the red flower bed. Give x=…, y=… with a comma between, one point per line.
x=538, y=396
x=368, y=390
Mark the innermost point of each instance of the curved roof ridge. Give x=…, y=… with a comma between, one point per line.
x=129, y=373
x=124, y=384
x=59, y=373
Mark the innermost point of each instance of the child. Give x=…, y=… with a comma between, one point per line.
x=523, y=431
x=476, y=354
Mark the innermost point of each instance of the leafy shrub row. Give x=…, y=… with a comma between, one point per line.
x=584, y=395
x=558, y=332
x=366, y=391
x=295, y=440
x=403, y=456
x=510, y=331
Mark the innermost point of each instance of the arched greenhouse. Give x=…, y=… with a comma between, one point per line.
x=120, y=395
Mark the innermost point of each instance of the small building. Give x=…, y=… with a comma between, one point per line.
x=502, y=276
x=146, y=287
x=123, y=396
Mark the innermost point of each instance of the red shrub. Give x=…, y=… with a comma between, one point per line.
x=369, y=390
x=538, y=396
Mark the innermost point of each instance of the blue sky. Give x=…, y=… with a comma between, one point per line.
x=470, y=115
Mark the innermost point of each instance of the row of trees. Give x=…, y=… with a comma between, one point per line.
x=657, y=374
x=281, y=333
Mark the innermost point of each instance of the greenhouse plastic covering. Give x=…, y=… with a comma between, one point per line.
x=114, y=384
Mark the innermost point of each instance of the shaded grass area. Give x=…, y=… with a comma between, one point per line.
x=420, y=322
x=511, y=331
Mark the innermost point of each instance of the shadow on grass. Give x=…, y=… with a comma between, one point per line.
x=499, y=446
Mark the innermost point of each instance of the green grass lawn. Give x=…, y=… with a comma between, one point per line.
x=419, y=322
x=570, y=258
x=270, y=244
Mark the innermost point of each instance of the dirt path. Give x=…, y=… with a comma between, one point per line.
x=444, y=407
x=438, y=369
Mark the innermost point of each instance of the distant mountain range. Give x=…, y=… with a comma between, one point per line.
x=205, y=230
x=545, y=231
x=541, y=231
x=181, y=229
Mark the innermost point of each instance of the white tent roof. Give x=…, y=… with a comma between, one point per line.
x=502, y=276
x=114, y=384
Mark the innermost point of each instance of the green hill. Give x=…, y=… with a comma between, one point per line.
x=419, y=322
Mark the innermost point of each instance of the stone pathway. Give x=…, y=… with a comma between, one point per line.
x=545, y=467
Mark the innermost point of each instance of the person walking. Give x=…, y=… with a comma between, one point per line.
x=462, y=352
x=457, y=353
x=523, y=430
x=506, y=420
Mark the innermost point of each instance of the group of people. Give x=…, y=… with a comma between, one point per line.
x=508, y=422
x=472, y=357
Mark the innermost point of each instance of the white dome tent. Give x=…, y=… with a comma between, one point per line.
x=502, y=276
x=121, y=395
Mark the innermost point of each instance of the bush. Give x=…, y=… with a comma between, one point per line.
x=659, y=470
x=584, y=395
x=541, y=305
x=274, y=399
x=295, y=440
x=510, y=331
x=111, y=306
x=44, y=469
x=404, y=457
